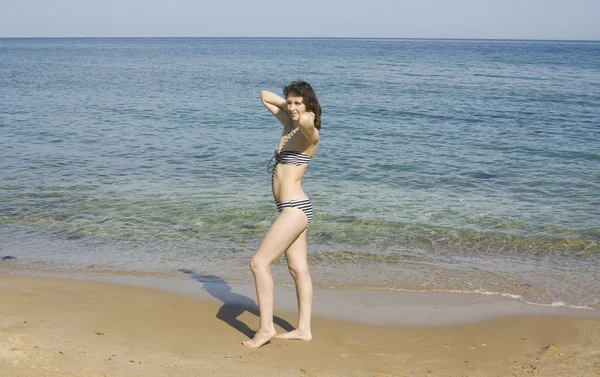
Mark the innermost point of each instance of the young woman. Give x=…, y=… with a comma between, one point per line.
x=300, y=114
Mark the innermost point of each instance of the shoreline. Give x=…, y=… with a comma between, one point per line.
x=379, y=307
x=544, y=281
x=238, y=273
x=89, y=327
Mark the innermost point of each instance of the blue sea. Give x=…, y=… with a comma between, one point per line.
x=444, y=165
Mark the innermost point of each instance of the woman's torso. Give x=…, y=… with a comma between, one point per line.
x=287, y=178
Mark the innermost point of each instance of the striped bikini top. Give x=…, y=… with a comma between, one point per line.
x=288, y=157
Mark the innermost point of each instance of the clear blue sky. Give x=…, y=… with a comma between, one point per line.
x=518, y=19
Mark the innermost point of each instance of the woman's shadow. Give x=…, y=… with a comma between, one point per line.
x=233, y=304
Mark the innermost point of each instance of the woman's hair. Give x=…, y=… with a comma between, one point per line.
x=304, y=90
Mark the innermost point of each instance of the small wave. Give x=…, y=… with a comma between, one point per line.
x=507, y=77
x=560, y=304
x=513, y=296
x=520, y=298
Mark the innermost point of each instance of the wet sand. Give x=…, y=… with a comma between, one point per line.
x=140, y=326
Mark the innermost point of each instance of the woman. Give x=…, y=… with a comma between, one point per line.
x=300, y=114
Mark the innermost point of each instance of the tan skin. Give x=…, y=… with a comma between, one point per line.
x=287, y=234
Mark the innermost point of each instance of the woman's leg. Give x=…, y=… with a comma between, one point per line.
x=284, y=231
x=298, y=266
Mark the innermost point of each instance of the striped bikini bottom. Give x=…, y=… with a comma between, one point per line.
x=302, y=204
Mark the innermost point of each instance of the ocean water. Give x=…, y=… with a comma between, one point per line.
x=444, y=165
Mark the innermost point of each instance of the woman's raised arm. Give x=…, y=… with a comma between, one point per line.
x=277, y=106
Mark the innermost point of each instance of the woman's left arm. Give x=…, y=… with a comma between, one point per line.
x=307, y=127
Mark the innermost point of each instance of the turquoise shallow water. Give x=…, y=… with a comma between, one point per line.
x=444, y=164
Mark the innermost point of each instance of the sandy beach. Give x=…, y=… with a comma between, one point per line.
x=76, y=327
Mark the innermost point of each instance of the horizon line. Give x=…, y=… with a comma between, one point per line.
x=354, y=38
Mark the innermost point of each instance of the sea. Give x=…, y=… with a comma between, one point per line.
x=443, y=166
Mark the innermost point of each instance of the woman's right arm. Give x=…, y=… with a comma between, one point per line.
x=277, y=106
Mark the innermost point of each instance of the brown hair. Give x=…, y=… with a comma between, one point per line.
x=304, y=90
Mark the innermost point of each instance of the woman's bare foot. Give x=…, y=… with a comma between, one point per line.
x=295, y=334
x=260, y=338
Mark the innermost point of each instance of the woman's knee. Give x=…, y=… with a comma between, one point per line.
x=258, y=265
x=298, y=272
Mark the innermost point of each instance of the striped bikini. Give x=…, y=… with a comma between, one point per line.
x=290, y=157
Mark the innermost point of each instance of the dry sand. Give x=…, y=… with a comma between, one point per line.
x=66, y=327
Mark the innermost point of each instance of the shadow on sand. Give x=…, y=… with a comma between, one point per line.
x=233, y=304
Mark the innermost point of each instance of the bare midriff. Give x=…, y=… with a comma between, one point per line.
x=287, y=182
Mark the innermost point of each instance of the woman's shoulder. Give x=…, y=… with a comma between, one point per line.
x=307, y=126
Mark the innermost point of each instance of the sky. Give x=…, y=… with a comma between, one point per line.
x=495, y=19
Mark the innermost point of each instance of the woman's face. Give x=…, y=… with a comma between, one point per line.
x=295, y=106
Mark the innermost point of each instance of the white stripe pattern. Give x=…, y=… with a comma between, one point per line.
x=302, y=204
